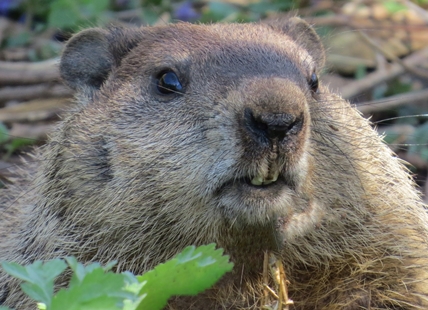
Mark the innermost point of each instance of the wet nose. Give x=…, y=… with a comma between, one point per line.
x=273, y=126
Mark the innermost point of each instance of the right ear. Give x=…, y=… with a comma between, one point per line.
x=301, y=32
x=90, y=56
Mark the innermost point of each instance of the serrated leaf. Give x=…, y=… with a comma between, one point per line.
x=99, y=303
x=53, y=268
x=134, y=288
x=78, y=271
x=96, y=290
x=130, y=278
x=42, y=292
x=109, y=265
x=39, y=278
x=189, y=273
x=16, y=271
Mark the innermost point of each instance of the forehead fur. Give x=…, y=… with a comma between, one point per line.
x=220, y=48
x=183, y=41
x=93, y=56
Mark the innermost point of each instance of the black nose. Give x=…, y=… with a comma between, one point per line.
x=274, y=126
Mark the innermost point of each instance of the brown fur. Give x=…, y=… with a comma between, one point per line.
x=135, y=176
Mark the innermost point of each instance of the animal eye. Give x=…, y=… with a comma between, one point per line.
x=168, y=83
x=313, y=83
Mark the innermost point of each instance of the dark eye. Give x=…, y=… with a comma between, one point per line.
x=313, y=83
x=168, y=83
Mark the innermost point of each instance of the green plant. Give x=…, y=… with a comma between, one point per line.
x=94, y=287
x=11, y=144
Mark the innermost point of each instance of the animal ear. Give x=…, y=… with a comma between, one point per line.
x=86, y=60
x=90, y=56
x=304, y=35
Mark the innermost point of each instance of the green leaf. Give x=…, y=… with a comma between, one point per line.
x=39, y=278
x=63, y=14
x=361, y=72
x=18, y=40
x=221, y=10
x=67, y=14
x=263, y=7
x=394, y=6
x=93, y=8
x=109, y=265
x=4, y=133
x=16, y=144
x=94, y=287
x=419, y=141
x=424, y=153
x=134, y=288
x=40, y=292
x=16, y=271
x=53, y=268
x=91, y=289
x=149, y=15
x=189, y=273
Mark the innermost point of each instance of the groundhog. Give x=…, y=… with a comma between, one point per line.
x=192, y=134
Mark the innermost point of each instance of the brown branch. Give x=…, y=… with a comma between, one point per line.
x=21, y=73
x=341, y=20
x=22, y=93
x=388, y=55
x=375, y=78
x=415, y=97
x=34, y=110
x=35, y=131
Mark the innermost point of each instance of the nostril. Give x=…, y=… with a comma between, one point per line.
x=277, y=132
x=274, y=125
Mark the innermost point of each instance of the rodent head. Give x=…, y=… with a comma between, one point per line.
x=196, y=121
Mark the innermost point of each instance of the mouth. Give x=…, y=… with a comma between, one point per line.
x=263, y=181
x=255, y=199
x=258, y=186
x=272, y=185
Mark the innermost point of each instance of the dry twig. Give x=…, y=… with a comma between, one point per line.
x=414, y=70
x=375, y=78
x=413, y=98
x=29, y=92
x=21, y=73
x=279, y=278
x=34, y=110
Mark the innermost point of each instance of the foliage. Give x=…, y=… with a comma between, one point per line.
x=11, y=144
x=94, y=287
x=66, y=14
x=419, y=140
x=78, y=14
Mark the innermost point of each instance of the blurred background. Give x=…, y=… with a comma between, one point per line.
x=377, y=58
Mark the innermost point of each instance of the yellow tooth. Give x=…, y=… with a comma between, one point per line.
x=258, y=180
x=275, y=177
